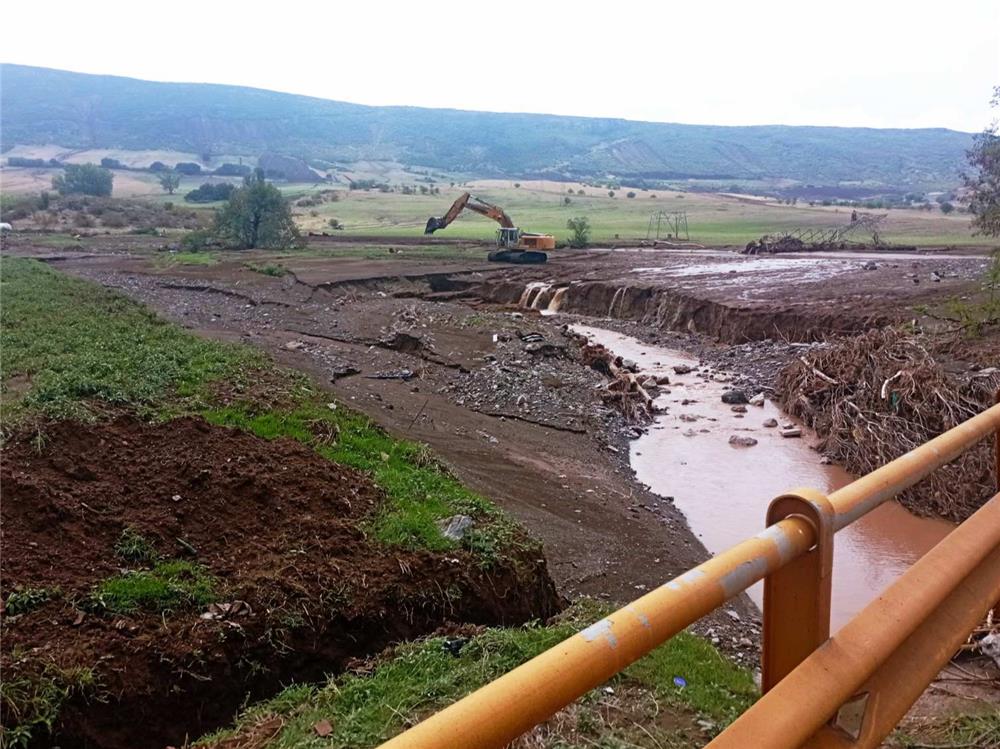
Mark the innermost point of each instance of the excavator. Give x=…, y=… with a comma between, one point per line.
x=513, y=245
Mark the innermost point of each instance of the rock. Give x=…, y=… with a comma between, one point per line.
x=295, y=345
x=630, y=365
x=688, y=417
x=681, y=369
x=732, y=614
x=737, y=441
x=323, y=728
x=870, y=265
x=791, y=432
x=757, y=400
x=935, y=277
x=662, y=380
x=826, y=460
x=734, y=397
x=455, y=527
x=738, y=409
x=770, y=423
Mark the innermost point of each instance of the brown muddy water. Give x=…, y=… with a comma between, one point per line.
x=724, y=490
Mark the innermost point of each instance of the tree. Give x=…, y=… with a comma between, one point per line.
x=611, y=193
x=947, y=208
x=983, y=182
x=85, y=179
x=257, y=215
x=567, y=200
x=187, y=167
x=580, y=228
x=170, y=182
x=630, y=194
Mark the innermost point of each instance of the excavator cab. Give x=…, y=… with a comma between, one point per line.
x=508, y=237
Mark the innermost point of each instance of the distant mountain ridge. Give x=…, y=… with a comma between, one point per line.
x=77, y=110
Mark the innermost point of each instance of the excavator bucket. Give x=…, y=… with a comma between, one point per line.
x=433, y=224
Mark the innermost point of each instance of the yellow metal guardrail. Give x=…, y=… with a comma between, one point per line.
x=845, y=691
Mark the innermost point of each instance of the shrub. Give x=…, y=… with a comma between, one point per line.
x=21, y=161
x=83, y=220
x=947, y=208
x=611, y=193
x=630, y=194
x=257, y=215
x=580, y=231
x=187, y=167
x=114, y=220
x=209, y=193
x=567, y=201
x=84, y=179
x=112, y=163
x=335, y=224
x=158, y=166
x=233, y=170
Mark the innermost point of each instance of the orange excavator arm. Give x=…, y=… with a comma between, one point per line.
x=471, y=202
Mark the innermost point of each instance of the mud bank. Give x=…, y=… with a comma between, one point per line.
x=269, y=531
x=671, y=309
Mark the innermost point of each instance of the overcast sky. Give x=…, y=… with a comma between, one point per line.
x=871, y=63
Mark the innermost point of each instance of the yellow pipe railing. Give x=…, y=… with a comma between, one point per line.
x=498, y=712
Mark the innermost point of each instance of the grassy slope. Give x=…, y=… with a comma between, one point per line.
x=73, y=350
x=366, y=709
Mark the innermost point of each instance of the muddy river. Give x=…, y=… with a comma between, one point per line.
x=724, y=489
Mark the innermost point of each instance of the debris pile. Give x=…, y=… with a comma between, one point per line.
x=874, y=397
x=627, y=391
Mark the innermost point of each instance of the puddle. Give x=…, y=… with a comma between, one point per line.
x=724, y=491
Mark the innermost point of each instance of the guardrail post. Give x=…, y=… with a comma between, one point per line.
x=797, y=596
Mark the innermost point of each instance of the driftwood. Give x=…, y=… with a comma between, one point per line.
x=626, y=391
x=876, y=396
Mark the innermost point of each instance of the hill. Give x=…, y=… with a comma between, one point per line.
x=84, y=111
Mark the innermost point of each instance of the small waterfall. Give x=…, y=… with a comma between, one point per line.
x=555, y=303
x=619, y=299
x=541, y=298
x=531, y=294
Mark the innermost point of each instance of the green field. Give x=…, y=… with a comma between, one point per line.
x=713, y=219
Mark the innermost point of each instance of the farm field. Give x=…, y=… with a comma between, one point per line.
x=540, y=206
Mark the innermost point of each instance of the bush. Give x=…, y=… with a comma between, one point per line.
x=158, y=166
x=233, y=170
x=200, y=239
x=611, y=193
x=112, y=163
x=257, y=215
x=21, y=161
x=567, y=201
x=84, y=179
x=187, y=167
x=580, y=231
x=209, y=193
x=335, y=224
x=947, y=208
x=114, y=220
x=630, y=194
x=83, y=220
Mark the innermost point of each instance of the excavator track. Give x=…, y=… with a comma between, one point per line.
x=522, y=257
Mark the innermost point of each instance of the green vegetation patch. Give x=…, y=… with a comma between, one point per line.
x=32, y=702
x=133, y=547
x=78, y=344
x=23, y=599
x=168, y=586
x=276, y=270
x=420, y=678
x=172, y=259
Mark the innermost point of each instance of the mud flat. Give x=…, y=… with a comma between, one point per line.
x=723, y=490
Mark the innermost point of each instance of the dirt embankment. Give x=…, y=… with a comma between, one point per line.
x=671, y=309
x=280, y=532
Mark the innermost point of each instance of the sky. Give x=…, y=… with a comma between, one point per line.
x=847, y=63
